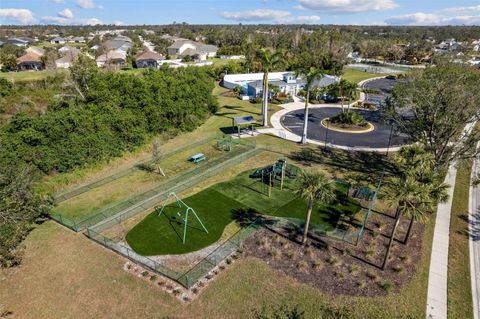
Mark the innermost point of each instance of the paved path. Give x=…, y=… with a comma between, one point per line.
x=279, y=130
x=474, y=244
x=437, y=278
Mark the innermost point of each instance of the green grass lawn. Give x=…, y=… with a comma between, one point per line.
x=459, y=286
x=357, y=76
x=26, y=76
x=138, y=181
x=221, y=204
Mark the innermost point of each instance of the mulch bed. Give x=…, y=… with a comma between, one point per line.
x=338, y=267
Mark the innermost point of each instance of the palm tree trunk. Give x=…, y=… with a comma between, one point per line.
x=305, y=122
x=265, y=99
x=392, y=237
x=407, y=236
x=307, y=221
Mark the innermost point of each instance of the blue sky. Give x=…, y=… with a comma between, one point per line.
x=378, y=12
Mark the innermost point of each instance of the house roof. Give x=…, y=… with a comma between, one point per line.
x=29, y=57
x=149, y=55
x=115, y=44
x=68, y=48
x=67, y=58
x=35, y=50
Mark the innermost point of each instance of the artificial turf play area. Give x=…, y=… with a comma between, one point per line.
x=184, y=225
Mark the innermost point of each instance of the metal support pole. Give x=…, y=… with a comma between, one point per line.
x=390, y=139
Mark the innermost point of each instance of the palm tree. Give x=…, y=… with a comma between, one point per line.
x=416, y=162
x=269, y=60
x=314, y=186
x=410, y=198
x=311, y=75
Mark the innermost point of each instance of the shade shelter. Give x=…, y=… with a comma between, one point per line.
x=244, y=122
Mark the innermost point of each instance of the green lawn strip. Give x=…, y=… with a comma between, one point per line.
x=161, y=235
x=459, y=284
x=357, y=75
x=136, y=182
x=223, y=203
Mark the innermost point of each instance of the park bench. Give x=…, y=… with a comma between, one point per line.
x=198, y=158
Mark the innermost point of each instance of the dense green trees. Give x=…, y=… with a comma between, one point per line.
x=433, y=107
x=116, y=113
x=20, y=208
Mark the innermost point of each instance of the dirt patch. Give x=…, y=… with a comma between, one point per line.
x=228, y=94
x=338, y=267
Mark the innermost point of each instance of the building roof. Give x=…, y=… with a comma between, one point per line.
x=115, y=44
x=35, y=50
x=68, y=48
x=242, y=120
x=68, y=58
x=29, y=57
x=149, y=55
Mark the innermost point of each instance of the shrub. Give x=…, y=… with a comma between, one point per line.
x=372, y=275
x=398, y=268
x=302, y=265
x=353, y=269
x=153, y=277
x=386, y=285
x=317, y=265
x=361, y=284
x=276, y=253
x=348, y=118
x=334, y=261
x=145, y=273
x=256, y=100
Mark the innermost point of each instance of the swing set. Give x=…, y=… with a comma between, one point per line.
x=183, y=213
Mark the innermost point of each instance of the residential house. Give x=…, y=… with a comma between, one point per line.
x=30, y=61
x=232, y=57
x=119, y=43
x=18, y=42
x=112, y=59
x=197, y=50
x=70, y=54
x=148, y=59
x=77, y=40
x=35, y=50
x=58, y=40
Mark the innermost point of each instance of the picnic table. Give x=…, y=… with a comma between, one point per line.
x=198, y=158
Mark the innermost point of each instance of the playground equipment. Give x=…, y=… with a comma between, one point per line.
x=182, y=214
x=276, y=172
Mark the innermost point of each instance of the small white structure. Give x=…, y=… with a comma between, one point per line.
x=232, y=57
x=57, y=40
x=251, y=84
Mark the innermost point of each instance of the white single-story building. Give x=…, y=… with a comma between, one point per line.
x=252, y=83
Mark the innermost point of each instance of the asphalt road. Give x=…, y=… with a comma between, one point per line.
x=378, y=138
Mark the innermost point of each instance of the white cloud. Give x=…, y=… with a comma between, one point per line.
x=92, y=21
x=298, y=7
x=348, y=6
x=463, y=10
x=23, y=16
x=118, y=22
x=272, y=16
x=85, y=4
x=58, y=1
x=255, y=15
x=66, y=13
x=56, y=20
x=421, y=18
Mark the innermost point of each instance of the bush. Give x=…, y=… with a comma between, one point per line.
x=256, y=100
x=348, y=118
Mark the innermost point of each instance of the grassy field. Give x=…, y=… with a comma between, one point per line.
x=459, y=283
x=138, y=181
x=221, y=205
x=357, y=76
x=27, y=76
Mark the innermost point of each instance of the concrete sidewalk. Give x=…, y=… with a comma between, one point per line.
x=437, y=277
